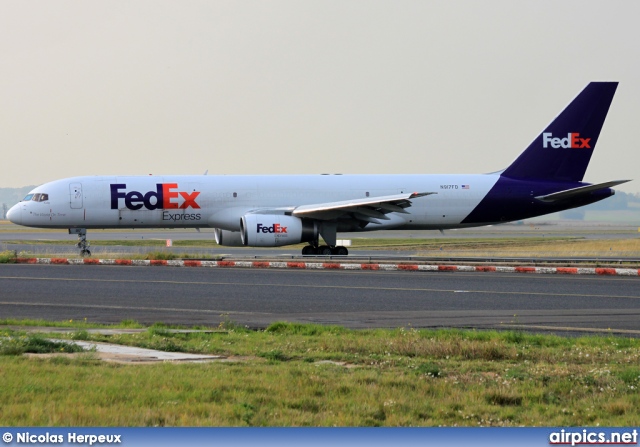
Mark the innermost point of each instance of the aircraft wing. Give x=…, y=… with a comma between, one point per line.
x=368, y=209
x=568, y=193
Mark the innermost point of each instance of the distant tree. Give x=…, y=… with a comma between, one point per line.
x=573, y=214
x=11, y=196
x=619, y=201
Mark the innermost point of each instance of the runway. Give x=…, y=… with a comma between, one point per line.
x=355, y=299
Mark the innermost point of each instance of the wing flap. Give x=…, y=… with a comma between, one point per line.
x=366, y=209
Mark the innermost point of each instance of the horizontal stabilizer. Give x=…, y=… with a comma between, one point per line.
x=570, y=193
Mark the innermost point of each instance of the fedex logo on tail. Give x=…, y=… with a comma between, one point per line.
x=572, y=141
x=165, y=197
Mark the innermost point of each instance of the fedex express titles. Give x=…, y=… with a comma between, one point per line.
x=165, y=197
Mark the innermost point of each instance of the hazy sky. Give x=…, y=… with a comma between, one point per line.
x=279, y=87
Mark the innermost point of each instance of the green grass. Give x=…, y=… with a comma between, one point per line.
x=83, y=324
x=7, y=257
x=12, y=343
x=311, y=375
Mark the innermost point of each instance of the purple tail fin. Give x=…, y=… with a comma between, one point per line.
x=563, y=150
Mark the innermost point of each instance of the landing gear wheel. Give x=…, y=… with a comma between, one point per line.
x=325, y=250
x=82, y=244
x=308, y=250
x=340, y=251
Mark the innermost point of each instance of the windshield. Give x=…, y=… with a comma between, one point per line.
x=39, y=197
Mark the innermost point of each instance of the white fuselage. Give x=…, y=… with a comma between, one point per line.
x=219, y=201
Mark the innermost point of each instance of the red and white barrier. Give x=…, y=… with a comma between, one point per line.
x=336, y=266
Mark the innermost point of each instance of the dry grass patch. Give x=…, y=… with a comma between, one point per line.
x=554, y=247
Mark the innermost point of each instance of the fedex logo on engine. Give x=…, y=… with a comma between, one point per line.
x=165, y=197
x=572, y=141
x=275, y=228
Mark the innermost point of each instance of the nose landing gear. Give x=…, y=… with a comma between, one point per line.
x=82, y=244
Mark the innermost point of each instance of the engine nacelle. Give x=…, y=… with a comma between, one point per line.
x=275, y=230
x=228, y=238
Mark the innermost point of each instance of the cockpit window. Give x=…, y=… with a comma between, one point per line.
x=39, y=197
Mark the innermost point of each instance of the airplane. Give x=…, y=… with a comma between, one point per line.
x=279, y=210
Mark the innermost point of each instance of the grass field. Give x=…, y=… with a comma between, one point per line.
x=551, y=247
x=308, y=375
x=363, y=243
x=473, y=247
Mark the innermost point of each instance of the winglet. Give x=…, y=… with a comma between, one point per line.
x=415, y=195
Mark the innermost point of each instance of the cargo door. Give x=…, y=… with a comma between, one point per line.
x=75, y=195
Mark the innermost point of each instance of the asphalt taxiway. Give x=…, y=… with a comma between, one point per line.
x=356, y=299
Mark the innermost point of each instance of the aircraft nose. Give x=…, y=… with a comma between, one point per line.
x=15, y=214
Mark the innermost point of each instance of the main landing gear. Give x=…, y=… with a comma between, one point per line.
x=325, y=250
x=328, y=231
x=82, y=244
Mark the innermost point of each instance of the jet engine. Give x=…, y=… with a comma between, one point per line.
x=274, y=230
x=228, y=238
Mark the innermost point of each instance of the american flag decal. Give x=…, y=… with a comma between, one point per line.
x=465, y=186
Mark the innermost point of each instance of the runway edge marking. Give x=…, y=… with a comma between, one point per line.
x=336, y=266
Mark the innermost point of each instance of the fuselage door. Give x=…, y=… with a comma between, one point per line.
x=75, y=195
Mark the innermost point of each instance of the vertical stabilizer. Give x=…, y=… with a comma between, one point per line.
x=563, y=150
